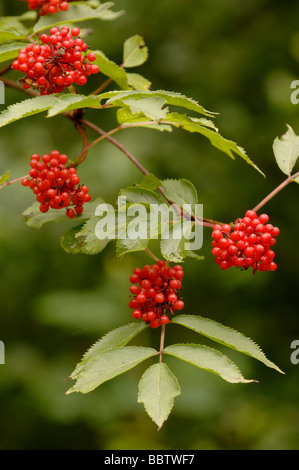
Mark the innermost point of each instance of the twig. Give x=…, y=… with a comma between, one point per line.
x=273, y=193
x=8, y=183
x=12, y=84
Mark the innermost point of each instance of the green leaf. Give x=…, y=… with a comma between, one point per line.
x=138, y=82
x=110, y=364
x=135, y=52
x=112, y=70
x=70, y=243
x=286, y=151
x=174, y=244
x=125, y=116
x=116, y=338
x=151, y=107
x=4, y=177
x=224, y=335
x=12, y=25
x=141, y=195
x=157, y=390
x=171, y=98
x=195, y=125
x=180, y=192
x=68, y=102
x=10, y=35
x=11, y=50
x=76, y=13
x=36, y=219
x=151, y=182
x=90, y=238
x=26, y=108
x=208, y=359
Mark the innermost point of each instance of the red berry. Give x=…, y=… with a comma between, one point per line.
x=179, y=305
x=137, y=314
x=247, y=245
x=158, y=293
x=164, y=320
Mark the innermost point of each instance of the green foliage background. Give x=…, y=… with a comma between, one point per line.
x=237, y=59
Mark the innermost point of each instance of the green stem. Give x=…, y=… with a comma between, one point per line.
x=273, y=193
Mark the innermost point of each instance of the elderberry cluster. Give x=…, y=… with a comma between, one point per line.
x=246, y=244
x=56, y=61
x=156, y=292
x=55, y=185
x=48, y=6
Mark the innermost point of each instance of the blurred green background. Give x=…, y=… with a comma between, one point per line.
x=237, y=59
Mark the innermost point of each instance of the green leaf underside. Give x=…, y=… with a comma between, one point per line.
x=157, y=390
x=119, y=337
x=135, y=52
x=89, y=239
x=125, y=116
x=171, y=98
x=151, y=107
x=76, y=13
x=70, y=101
x=174, y=244
x=110, y=364
x=4, y=177
x=224, y=335
x=36, y=219
x=70, y=243
x=286, y=151
x=11, y=50
x=209, y=359
x=26, y=108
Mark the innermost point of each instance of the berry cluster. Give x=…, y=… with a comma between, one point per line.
x=56, y=61
x=48, y=6
x=157, y=293
x=247, y=243
x=55, y=185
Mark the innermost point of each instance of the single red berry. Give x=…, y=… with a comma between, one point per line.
x=164, y=320
x=179, y=305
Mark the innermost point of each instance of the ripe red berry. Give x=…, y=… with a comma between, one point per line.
x=48, y=6
x=247, y=244
x=54, y=184
x=58, y=60
x=156, y=292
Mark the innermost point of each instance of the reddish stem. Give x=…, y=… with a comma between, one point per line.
x=8, y=183
x=273, y=193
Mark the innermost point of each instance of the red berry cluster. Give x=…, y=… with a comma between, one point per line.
x=48, y=6
x=247, y=243
x=55, y=185
x=157, y=293
x=56, y=61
